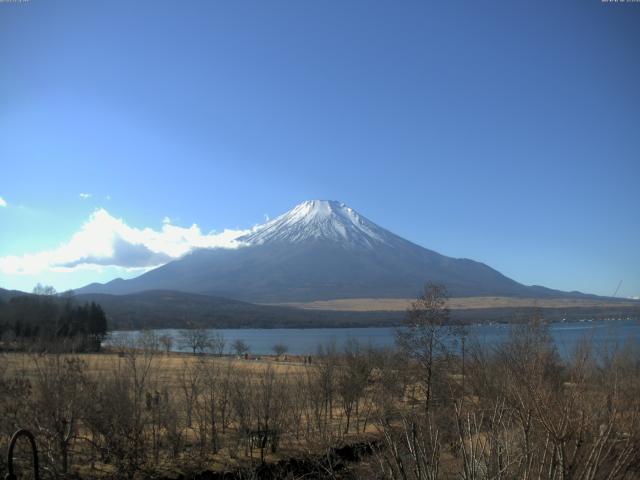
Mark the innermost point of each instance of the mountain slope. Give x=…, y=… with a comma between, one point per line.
x=6, y=295
x=321, y=250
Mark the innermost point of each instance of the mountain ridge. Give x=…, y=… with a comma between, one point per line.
x=322, y=250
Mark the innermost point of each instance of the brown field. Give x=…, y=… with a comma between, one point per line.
x=459, y=303
x=179, y=376
x=136, y=412
x=170, y=365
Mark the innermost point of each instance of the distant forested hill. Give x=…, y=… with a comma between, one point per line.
x=173, y=309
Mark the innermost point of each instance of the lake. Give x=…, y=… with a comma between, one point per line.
x=306, y=341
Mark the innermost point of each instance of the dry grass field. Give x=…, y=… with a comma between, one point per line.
x=512, y=412
x=460, y=303
x=185, y=412
x=169, y=367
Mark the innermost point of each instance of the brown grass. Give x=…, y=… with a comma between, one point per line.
x=171, y=365
x=166, y=371
x=458, y=303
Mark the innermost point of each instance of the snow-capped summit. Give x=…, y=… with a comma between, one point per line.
x=320, y=220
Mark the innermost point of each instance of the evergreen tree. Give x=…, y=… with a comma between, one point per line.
x=47, y=318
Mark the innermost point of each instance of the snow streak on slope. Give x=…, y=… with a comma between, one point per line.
x=320, y=220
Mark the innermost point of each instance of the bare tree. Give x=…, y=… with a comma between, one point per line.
x=46, y=290
x=57, y=405
x=280, y=349
x=240, y=400
x=240, y=347
x=148, y=341
x=322, y=382
x=352, y=379
x=114, y=421
x=426, y=328
x=215, y=396
x=269, y=407
x=217, y=342
x=167, y=342
x=195, y=339
x=190, y=384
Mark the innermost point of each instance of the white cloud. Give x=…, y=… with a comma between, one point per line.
x=166, y=220
x=84, y=196
x=108, y=241
x=3, y=203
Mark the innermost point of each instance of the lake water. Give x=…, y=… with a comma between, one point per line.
x=306, y=341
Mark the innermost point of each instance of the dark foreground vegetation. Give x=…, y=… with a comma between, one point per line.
x=511, y=411
x=45, y=321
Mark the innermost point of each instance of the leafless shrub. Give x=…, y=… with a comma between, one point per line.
x=412, y=450
x=56, y=404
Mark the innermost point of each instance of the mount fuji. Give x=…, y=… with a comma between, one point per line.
x=322, y=250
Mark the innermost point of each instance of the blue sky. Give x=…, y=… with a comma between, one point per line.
x=506, y=132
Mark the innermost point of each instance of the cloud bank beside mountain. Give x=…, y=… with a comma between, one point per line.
x=105, y=240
